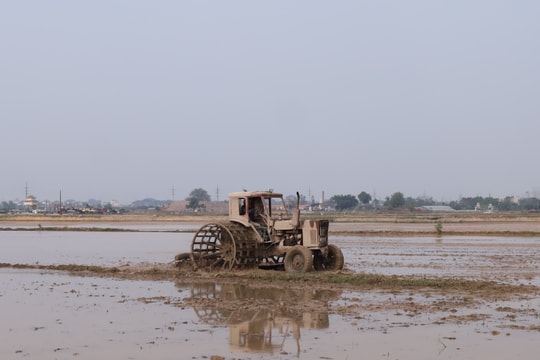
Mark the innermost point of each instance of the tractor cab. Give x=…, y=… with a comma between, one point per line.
x=259, y=208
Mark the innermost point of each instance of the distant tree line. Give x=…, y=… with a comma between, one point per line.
x=397, y=200
x=509, y=203
x=346, y=202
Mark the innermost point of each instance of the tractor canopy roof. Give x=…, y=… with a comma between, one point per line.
x=264, y=194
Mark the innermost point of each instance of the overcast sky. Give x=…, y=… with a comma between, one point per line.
x=124, y=99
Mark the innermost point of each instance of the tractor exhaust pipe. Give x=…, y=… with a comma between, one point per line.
x=295, y=221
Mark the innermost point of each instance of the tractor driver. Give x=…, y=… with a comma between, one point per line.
x=256, y=209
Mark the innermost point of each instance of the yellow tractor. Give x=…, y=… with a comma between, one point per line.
x=261, y=232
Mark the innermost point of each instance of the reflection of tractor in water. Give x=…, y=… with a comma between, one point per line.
x=267, y=330
x=260, y=232
x=270, y=319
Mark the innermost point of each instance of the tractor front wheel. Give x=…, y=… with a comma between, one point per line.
x=298, y=260
x=334, y=260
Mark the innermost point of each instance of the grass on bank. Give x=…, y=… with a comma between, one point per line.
x=86, y=229
x=67, y=267
x=257, y=277
x=370, y=280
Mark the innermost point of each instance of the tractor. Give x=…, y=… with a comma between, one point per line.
x=261, y=232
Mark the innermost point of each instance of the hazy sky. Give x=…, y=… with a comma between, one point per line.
x=124, y=99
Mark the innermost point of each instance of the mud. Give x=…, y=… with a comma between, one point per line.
x=85, y=295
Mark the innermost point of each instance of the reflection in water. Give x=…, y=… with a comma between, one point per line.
x=260, y=319
x=257, y=332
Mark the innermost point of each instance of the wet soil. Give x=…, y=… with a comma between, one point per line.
x=406, y=293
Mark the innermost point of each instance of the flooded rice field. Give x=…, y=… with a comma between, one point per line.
x=57, y=315
x=503, y=259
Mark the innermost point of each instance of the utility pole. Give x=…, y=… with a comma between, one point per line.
x=217, y=193
x=172, y=192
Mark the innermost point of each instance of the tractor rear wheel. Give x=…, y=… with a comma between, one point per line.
x=224, y=245
x=298, y=260
x=213, y=247
x=334, y=260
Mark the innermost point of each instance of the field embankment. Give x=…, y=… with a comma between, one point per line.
x=358, y=224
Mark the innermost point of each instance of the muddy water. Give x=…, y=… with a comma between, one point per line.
x=47, y=315
x=91, y=248
x=503, y=259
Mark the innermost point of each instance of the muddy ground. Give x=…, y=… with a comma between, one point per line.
x=406, y=293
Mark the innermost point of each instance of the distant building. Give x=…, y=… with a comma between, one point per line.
x=212, y=207
x=30, y=202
